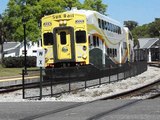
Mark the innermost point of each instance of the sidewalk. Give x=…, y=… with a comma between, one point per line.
x=10, y=77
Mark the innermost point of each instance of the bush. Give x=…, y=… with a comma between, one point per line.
x=17, y=62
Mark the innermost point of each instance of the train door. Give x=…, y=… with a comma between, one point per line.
x=64, y=46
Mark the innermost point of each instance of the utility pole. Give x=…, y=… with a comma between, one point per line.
x=1, y=39
x=159, y=48
x=25, y=50
x=24, y=20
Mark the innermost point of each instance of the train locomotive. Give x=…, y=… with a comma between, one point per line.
x=79, y=38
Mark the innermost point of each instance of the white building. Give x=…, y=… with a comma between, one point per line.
x=16, y=49
x=153, y=48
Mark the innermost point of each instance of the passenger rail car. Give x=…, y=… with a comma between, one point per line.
x=85, y=37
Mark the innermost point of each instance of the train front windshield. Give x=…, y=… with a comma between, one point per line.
x=80, y=36
x=48, y=39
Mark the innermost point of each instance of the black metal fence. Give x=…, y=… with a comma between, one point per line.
x=53, y=82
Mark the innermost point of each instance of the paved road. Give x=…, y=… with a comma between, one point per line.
x=101, y=110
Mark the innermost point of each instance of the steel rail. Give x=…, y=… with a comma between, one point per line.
x=133, y=92
x=128, y=93
x=84, y=103
x=154, y=96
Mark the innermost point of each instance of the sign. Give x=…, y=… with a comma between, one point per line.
x=79, y=21
x=47, y=24
x=40, y=58
x=63, y=16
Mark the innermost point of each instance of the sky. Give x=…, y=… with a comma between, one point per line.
x=141, y=11
x=3, y=5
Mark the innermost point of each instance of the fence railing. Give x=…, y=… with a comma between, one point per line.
x=53, y=82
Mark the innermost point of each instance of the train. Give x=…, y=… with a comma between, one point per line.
x=78, y=38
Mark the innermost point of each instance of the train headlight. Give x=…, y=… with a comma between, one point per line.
x=64, y=22
x=84, y=48
x=46, y=50
x=64, y=49
x=60, y=22
x=84, y=56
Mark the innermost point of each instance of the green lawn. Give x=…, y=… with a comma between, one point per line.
x=9, y=71
x=4, y=72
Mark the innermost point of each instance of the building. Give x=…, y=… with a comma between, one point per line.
x=152, y=45
x=16, y=49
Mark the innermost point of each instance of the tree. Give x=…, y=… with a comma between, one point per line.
x=51, y=6
x=72, y=3
x=130, y=24
x=141, y=31
x=96, y=5
x=154, y=28
x=34, y=10
x=147, y=30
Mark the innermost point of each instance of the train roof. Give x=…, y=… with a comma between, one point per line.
x=89, y=13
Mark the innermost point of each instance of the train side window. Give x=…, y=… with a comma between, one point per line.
x=108, y=51
x=80, y=36
x=99, y=22
x=111, y=27
x=119, y=30
x=94, y=41
x=113, y=52
x=103, y=24
x=63, y=38
x=97, y=41
x=116, y=52
x=116, y=29
x=107, y=26
x=89, y=38
x=48, y=38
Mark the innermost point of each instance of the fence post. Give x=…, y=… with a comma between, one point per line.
x=99, y=81
x=40, y=83
x=69, y=83
x=123, y=72
x=109, y=78
x=85, y=80
x=129, y=71
x=52, y=83
x=85, y=83
x=23, y=84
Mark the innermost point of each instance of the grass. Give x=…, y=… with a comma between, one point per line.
x=5, y=72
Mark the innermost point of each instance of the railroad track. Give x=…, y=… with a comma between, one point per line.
x=12, y=88
x=8, y=89
x=99, y=115
x=137, y=91
x=154, y=64
x=19, y=85
x=14, y=83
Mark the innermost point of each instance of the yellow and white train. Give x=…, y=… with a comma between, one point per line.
x=85, y=37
